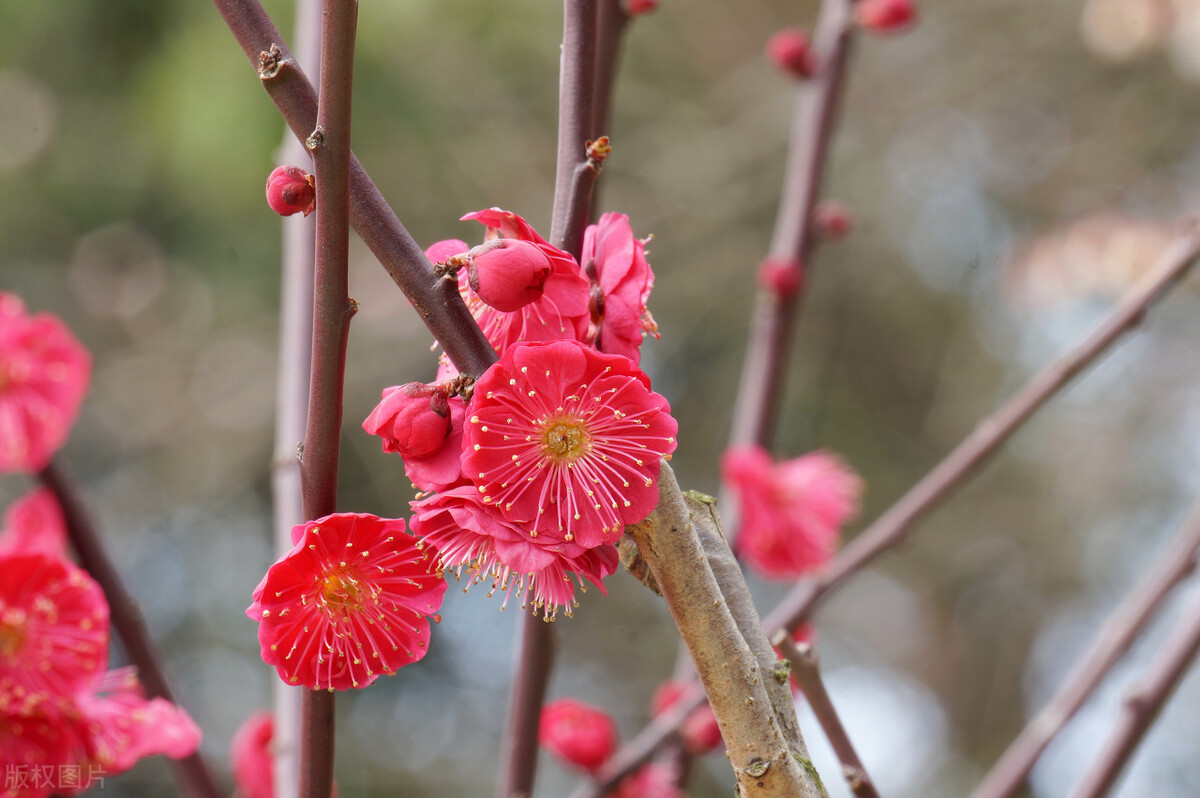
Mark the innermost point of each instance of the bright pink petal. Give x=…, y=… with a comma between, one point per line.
x=568, y=440
x=34, y=524
x=348, y=603
x=44, y=374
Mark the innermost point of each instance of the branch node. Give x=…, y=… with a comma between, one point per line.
x=758, y=768
x=270, y=61
x=315, y=140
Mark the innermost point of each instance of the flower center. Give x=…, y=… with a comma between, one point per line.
x=12, y=632
x=341, y=591
x=565, y=440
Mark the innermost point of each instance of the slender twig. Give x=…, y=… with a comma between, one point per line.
x=610, y=27
x=571, y=191
x=192, y=772
x=436, y=301
x=815, y=110
x=762, y=760
x=332, y=311
x=1143, y=703
x=891, y=528
x=576, y=93
x=291, y=402
x=806, y=669
x=1127, y=621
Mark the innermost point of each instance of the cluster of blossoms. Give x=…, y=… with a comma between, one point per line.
x=64, y=718
x=529, y=481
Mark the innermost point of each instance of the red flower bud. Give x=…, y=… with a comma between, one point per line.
x=832, y=219
x=885, y=16
x=636, y=7
x=412, y=419
x=291, y=190
x=577, y=733
x=507, y=273
x=791, y=51
x=781, y=275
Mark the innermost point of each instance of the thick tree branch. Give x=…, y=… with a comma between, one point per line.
x=806, y=669
x=192, y=772
x=1175, y=563
x=756, y=746
x=891, y=528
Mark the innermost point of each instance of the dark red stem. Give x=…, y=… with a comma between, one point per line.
x=774, y=316
x=329, y=144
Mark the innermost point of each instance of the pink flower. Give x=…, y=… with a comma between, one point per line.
x=560, y=312
x=291, y=190
x=348, y=603
x=119, y=726
x=791, y=513
x=44, y=374
x=567, y=440
x=885, y=16
x=426, y=429
x=472, y=536
x=791, y=52
x=621, y=279
x=250, y=756
x=508, y=273
x=699, y=731
x=653, y=780
x=577, y=733
x=412, y=419
x=34, y=524
x=53, y=628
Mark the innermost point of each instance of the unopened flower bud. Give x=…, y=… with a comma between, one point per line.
x=833, y=219
x=507, y=273
x=577, y=733
x=885, y=16
x=781, y=276
x=791, y=51
x=291, y=190
x=636, y=7
x=411, y=420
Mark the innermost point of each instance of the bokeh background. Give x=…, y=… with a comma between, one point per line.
x=1012, y=166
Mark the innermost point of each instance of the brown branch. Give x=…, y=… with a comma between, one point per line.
x=332, y=311
x=436, y=301
x=891, y=528
x=733, y=679
x=732, y=584
x=1123, y=626
x=806, y=669
x=815, y=110
x=1142, y=705
x=534, y=662
x=576, y=94
x=291, y=402
x=192, y=772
